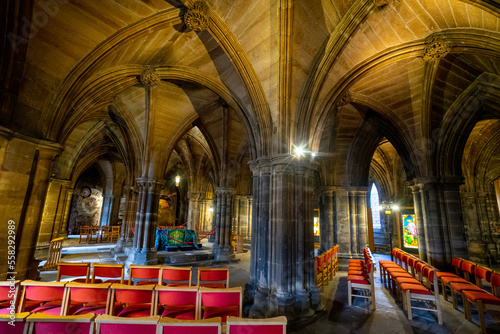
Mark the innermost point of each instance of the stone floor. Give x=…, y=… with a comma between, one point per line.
x=389, y=316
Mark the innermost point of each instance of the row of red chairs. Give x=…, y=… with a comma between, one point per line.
x=327, y=264
x=360, y=278
x=471, y=293
x=72, y=301
x=153, y=274
x=39, y=323
x=413, y=280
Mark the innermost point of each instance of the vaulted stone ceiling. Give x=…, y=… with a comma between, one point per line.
x=280, y=66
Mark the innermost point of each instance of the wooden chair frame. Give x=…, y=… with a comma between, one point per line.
x=168, y=322
x=165, y=268
x=203, y=269
x=132, y=267
x=116, y=286
x=109, y=319
x=41, y=317
x=72, y=264
x=103, y=286
x=100, y=265
x=212, y=290
x=24, y=284
x=235, y=321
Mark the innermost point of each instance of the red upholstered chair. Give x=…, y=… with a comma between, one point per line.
x=9, y=290
x=481, y=273
x=220, y=303
x=468, y=269
x=74, y=270
x=362, y=283
x=319, y=271
x=42, y=297
x=419, y=292
x=136, y=300
x=144, y=275
x=109, y=273
x=175, y=276
x=174, y=326
x=88, y=298
x=483, y=301
x=276, y=325
x=177, y=302
x=107, y=324
x=40, y=323
x=213, y=277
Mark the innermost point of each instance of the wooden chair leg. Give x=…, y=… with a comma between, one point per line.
x=480, y=311
x=445, y=296
x=408, y=304
x=467, y=312
x=454, y=298
x=349, y=293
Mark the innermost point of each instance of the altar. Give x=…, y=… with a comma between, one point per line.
x=176, y=239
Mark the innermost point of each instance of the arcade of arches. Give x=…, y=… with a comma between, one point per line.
x=103, y=103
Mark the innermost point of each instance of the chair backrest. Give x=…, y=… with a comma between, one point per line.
x=468, y=268
x=274, y=325
x=144, y=273
x=107, y=324
x=205, y=326
x=45, y=323
x=177, y=296
x=175, y=274
x=213, y=275
x=108, y=271
x=87, y=293
x=429, y=273
x=482, y=273
x=133, y=294
x=495, y=283
x=319, y=263
x=457, y=263
x=73, y=270
x=42, y=292
x=231, y=297
x=9, y=290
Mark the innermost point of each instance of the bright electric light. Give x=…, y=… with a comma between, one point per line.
x=395, y=207
x=299, y=151
x=177, y=180
x=314, y=154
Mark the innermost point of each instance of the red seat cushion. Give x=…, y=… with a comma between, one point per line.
x=357, y=279
x=184, y=312
x=213, y=285
x=448, y=280
x=356, y=272
x=415, y=288
x=440, y=274
x=223, y=312
x=484, y=296
x=178, y=284
x=459, y=287
x=407, y=280
x=135, y=311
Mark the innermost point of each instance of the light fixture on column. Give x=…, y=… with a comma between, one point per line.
x=177, y=180
x=388, y=207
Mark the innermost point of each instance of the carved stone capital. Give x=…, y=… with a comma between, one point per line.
x=198, y=16
x=435, y=48
x=149, y=78
x=383, y=3
x=344, y=99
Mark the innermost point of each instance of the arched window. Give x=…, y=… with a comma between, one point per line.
x=374, y=205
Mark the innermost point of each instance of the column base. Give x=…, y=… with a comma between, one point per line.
x=223, y=253
x=141, y=257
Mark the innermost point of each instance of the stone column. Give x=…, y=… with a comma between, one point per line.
x=361, y=217
x=194, y=211
x=51, y=217
x=107, y=208
x=327, y=219
x=444, y=230
x=236, y=223
x=341, y=207
x=128, y=218
x=63, y=227
x=284, y=241
x=31, y=215
x=417, y=203
x=258, y=284
x=143, y=250
x=222, y=248
x=249, y=218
